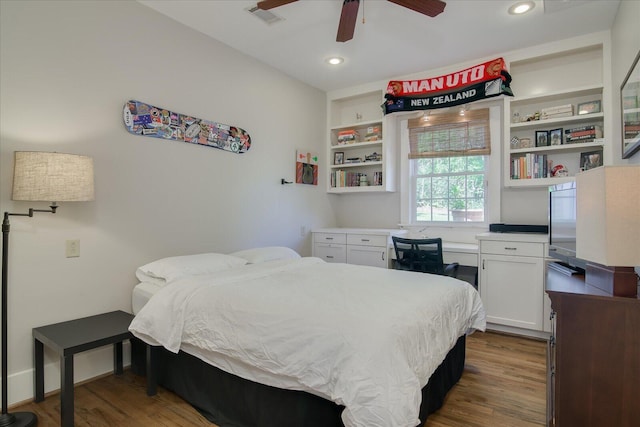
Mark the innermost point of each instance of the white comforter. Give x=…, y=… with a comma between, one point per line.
x=364, y=337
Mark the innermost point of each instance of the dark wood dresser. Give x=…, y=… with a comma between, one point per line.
x=594, y=356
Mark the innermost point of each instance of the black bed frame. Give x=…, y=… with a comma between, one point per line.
x=231, y=401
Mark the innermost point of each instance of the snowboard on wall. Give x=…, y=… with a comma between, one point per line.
x=144, y=119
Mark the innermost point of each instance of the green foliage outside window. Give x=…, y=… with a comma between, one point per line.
x=450, y=188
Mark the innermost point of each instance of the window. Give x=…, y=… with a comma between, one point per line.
x=448, y=162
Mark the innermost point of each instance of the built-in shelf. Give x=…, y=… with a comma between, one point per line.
x=360, y=113
x=560, y=79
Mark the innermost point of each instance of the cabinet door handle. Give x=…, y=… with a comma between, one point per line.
x=364, y=240
x=328, y=238
x=382, y=256
x=483, y=264
x=330, y=256
x=506, y=248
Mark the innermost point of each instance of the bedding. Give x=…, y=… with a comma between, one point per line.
x=169, y=269
x=269, y=253
x=363, y=337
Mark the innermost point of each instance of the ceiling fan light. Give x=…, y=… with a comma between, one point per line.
x=335, y=60
x=521, y=7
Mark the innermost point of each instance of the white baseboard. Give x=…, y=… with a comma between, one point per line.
x=512, y=330
x=86, y=365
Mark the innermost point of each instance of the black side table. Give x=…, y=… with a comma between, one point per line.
x=75, y=336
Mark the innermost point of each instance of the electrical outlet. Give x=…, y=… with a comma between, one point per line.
x=303, y=231
x=73, y=248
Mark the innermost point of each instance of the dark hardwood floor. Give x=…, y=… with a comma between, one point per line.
x=503, y=385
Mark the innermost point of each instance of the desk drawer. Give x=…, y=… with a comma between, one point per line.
x=366, y=240
x=339, y=238
x=512, y=248
x=330, y=252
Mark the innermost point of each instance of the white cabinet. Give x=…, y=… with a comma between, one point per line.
x=512, y=280
x=331, y=247
x=567, y=77
x=375, y=256
x=360, y=151
x=354, y=246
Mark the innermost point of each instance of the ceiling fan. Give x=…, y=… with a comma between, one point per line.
x=349, y=14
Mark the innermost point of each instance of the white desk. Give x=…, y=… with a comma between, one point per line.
x=363, y=246
x=462, y=253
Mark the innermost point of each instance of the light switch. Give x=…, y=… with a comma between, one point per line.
x=73, y=248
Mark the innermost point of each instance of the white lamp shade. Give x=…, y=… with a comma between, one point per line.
x=608, y=216
x=52, y=177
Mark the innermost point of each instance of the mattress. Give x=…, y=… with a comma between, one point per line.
x=141, y=293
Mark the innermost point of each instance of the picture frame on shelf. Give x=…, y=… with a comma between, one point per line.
x=542, y=138
x=590, y=160
x=526, y=143
x=338, y=158
x=590, y=107
x=555, y=137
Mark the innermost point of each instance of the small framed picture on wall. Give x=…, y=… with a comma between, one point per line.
x=542, y=138
x=555, y=137
x=338, y=158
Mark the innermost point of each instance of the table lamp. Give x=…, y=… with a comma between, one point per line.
x=39, y=176
x=608, y=227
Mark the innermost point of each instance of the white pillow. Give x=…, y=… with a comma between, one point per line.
x=167, y=270
x=271, y=253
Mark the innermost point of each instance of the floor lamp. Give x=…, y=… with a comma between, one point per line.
x=39, y=176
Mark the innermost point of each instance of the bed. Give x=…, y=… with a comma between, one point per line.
x=265, y=337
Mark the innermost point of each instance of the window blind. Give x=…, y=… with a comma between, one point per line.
x=449, y=135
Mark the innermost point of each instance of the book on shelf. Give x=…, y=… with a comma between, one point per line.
x=342, y=178
x=346, y=136
x=582, y=134
x=582, y=128
x=556, y=112
x=530, y=166
x=373, y=133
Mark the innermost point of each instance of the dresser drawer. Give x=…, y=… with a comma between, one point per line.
x=512, y=248
x=330, y=252
x=366, y=240
x=339, y=238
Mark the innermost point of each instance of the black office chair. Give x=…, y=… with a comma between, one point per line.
x=424, y=255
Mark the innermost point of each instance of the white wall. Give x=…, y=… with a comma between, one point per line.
x=67, y=69
x=625, y=36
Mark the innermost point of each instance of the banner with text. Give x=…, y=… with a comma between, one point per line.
x=472, y=84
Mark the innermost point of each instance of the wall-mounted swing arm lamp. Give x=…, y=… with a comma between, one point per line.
x=39, y=176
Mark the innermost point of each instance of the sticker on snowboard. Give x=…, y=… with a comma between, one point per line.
x=147, y=120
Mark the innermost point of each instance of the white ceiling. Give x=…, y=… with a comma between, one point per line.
x=394, y=41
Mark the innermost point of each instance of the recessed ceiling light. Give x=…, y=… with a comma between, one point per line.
x=521, y=7
x=335, y=60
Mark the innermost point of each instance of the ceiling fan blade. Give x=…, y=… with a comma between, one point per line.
x=348, y=18
x=430, y=8
x=270, y=4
